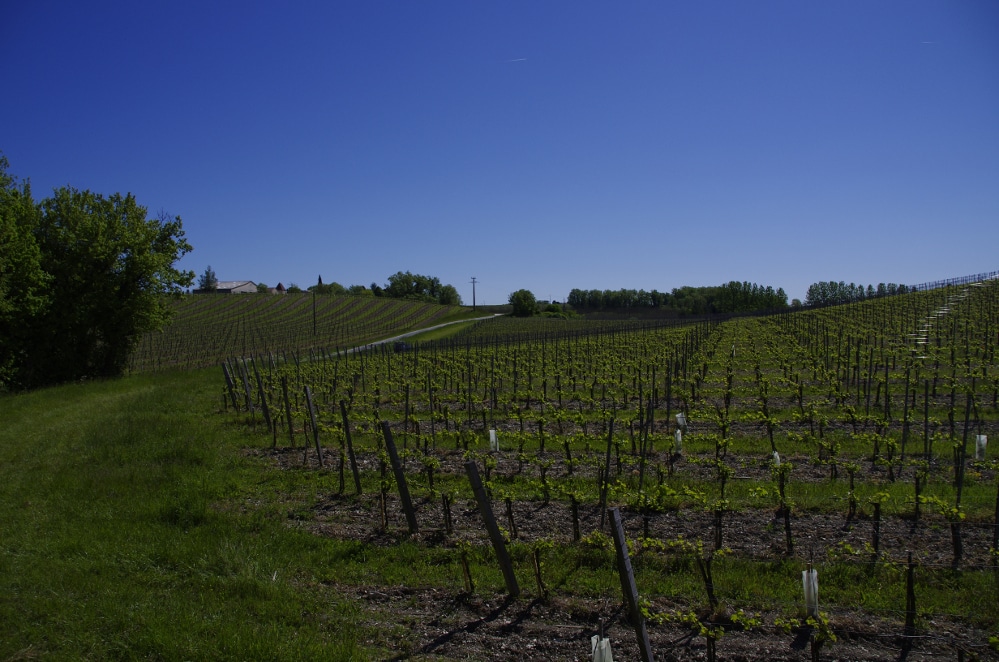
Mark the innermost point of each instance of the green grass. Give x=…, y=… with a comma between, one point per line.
x=442, y=333
x=115, y=545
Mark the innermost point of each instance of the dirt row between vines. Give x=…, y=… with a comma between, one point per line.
x=434, y=623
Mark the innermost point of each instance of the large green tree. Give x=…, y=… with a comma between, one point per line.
x=524, y=303
x=448, y=296
x=110, y=267
x=82, y=277
x=23, y=283
x=418, y=287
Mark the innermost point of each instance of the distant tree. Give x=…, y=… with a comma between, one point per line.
x=328, y=288
x=359, y=290
x=732, y=297
x=576, y=298
x=449, y=296
x=689, y=300
x=524, y=303
x=832, y=293
x=207, y=281
x=416, y=287
x=294, y=289
x=262, y=288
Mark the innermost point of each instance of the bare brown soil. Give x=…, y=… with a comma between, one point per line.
x=431, y=623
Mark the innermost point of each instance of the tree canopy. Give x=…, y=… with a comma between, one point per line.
x=328, y=288
x=401, y=285
x=23, y=282
x=416, y=287
x=831, y=293
x=524, y=303
x=82, y=277
x=732, y=297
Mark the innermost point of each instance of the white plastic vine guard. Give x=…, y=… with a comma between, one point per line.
x=981, y=442
x=776, y=459
x=681, y=421
x=601, y=649
x=810, y=582
x=678, y=442
x=493, y=442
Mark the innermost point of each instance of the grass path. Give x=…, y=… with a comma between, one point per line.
x=113, y=545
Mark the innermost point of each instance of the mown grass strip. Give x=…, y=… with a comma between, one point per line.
x=115, y=546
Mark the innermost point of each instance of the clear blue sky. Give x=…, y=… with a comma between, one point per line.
x=539, y=145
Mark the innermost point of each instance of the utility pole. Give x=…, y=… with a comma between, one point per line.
x=318, y=285
x=473, y=292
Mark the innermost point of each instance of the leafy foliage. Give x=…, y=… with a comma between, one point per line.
x=523, y=302
x=23, y=283
x=832, y=293
x=83, y=277
x=416, y=287
x=732, y=297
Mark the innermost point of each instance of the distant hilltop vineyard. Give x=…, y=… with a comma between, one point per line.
x=205, y=330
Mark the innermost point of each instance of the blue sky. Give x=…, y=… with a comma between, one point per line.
x=539, y=145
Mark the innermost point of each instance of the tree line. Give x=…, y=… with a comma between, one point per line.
x=81, y=279
x=400, y=285
x=832, y=293
x=732, y=297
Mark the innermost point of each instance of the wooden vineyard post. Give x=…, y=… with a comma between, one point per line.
x=905, y=415
x=466, y=572
x=446, y=507
x=287, y=410
x=400, y=479
x=433, y=416
x=383, y=494
x=574, y=505
x=263, y=399
x=246, y=387
x=962, y=454
x=628, y=586
x=230, y=387
x=405, y=421
x=509, y=517
x=606, y=474
x=315, y=425
x=350, y=447
x=927, y=446
x=542, y=589
x=506, y=566
x=876, y=535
